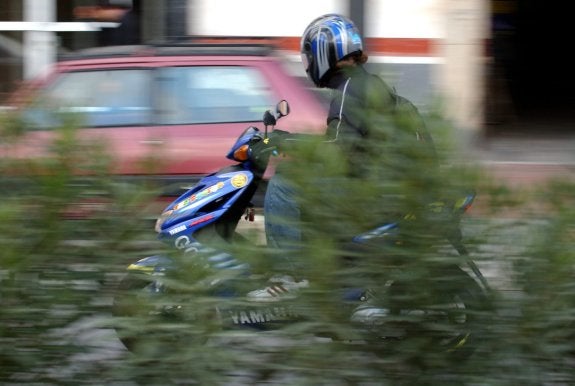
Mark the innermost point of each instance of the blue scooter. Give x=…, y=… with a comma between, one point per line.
x=204, y=219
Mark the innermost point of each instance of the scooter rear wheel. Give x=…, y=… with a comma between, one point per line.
x=447, y=318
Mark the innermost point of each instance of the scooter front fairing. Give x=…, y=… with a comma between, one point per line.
x=203, y=204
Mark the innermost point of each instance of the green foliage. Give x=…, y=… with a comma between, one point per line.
x=59, y=276
x=57, y=265
x=11, y=126
x=409, y=270
x=538, y=335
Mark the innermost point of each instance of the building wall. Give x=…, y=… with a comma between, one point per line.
x=430, y=50
x=461, y=78
x=258, y=17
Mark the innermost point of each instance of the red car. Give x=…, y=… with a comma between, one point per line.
x=184, y=103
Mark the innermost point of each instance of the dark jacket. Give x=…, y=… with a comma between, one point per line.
x=364, y=113
x=355, y=92
x=372, y=136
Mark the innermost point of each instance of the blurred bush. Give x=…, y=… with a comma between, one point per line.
x=67, y=228
x=59, y=273
x=532, y=334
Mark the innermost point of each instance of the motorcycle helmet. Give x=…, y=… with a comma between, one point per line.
x=327, y=40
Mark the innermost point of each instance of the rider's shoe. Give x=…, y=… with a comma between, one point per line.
x=282, y=287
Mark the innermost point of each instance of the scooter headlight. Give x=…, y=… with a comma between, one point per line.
x=242, y=153
x=162, y=219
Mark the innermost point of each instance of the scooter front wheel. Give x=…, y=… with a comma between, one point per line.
x=141, y=308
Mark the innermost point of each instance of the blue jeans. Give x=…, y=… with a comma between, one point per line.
x=282, y=220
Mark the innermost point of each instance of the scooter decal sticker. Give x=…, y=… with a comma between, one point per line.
x=262, y=315
x=182, y=242
x=201, y=220
x=180, y=205
x=239, y=180
x=206, y=192
x=177, y=230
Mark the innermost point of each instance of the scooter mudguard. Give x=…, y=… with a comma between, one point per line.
x=152, y=264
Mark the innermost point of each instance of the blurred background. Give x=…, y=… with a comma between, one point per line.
x=499, y=65
x=497, y=69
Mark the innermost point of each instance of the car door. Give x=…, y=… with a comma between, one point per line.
x=111, y=106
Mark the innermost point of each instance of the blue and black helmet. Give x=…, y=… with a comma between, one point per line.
x=327, y=40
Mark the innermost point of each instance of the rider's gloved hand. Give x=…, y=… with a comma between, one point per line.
x=277, y=138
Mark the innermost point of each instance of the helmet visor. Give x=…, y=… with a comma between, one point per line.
x=305, y=61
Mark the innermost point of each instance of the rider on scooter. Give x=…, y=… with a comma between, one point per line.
x=333, y=55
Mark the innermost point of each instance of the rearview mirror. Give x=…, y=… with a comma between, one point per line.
x=282, y=108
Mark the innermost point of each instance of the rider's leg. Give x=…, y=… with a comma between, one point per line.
x=282, y=222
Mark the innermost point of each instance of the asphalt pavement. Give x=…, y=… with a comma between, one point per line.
x=525, y=158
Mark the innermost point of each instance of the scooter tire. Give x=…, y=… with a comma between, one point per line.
x=133, y=308
x=462, y=304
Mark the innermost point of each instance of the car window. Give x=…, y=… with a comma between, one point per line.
x=101, y=98
x=210, y=94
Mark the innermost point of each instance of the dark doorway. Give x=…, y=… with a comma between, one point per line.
x=530, y=88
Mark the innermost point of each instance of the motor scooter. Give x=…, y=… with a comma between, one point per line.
x=204, y=220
